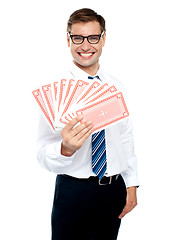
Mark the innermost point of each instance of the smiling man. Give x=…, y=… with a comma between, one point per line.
x=86, y=53
x=96, y=173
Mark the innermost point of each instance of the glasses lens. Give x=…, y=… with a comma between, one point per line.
x=94, y=39
x=77, y=39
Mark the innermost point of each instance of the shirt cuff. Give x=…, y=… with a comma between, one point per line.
x=55, y=160
x=131, y=181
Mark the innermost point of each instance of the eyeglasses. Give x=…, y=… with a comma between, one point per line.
x=92, y=39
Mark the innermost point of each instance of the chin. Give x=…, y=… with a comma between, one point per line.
x=85, y=64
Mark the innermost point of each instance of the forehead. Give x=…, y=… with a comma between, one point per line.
x=88, y=28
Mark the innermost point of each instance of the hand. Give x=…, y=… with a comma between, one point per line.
x=74, y=136
x=131, y=201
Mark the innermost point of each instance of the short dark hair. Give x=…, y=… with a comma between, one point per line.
x=85, y=15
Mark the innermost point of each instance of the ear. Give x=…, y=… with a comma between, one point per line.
x=104, y=38
x=68, y=40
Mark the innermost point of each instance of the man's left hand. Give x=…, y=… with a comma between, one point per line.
x=131, y=201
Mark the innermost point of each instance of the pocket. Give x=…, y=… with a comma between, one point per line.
x=123, y=185
x=123, y=189
x=120, y=193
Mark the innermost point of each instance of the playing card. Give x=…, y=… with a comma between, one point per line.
x=107, y=92
x=69, y=89
x=38, y=97
x=88, y=92
x=77, y=91
x=47, y=95
x=64, y=99
x=55, y=95
x=62, y=93
x=101, y=95
x=59, y=89
x=55, y=91
x=97, y=91
x=91, y=87
x=105, y=112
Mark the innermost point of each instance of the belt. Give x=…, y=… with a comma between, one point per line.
x=103, y=181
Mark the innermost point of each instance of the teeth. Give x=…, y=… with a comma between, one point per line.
x=86, y=54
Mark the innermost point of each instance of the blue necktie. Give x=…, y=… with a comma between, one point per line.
x=99, y=164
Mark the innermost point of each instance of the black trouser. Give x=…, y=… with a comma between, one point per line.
x=84, y=210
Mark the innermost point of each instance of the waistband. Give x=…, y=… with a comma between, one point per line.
x=103, y=181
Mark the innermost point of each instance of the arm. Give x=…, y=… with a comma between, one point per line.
x=130, y=175
x=56, y=151
x=131, y=201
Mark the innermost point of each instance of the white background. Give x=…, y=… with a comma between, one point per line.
x=138, y=52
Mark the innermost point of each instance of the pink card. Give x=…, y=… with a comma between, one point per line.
x=38, y=97
x=55, y=90
x=78, y=89
x=91, y=88
x=55, y=94
x=47, y=92
x=98, y=91
x=69, y=89
x=62, y=93
x=63, y=100
x=89, y=91
x=105, y=112
x=107, y=92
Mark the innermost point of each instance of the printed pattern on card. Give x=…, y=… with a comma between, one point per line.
x=97, y=101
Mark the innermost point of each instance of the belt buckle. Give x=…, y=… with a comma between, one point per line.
x=110, y=181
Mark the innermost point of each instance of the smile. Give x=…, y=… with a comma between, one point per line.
x=86, y=55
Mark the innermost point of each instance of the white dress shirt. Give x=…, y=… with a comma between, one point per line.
x=119, y=144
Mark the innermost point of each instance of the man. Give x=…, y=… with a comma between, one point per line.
x=89, y=204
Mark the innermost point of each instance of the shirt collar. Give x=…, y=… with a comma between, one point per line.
x=80, y=74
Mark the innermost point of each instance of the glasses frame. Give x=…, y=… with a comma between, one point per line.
x=87, y=37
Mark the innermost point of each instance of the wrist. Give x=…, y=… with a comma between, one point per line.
x=134, y=187
x=65, y=151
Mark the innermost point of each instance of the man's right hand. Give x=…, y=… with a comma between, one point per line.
x=74, y=136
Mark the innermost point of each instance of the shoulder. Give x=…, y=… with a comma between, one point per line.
x=112, y=80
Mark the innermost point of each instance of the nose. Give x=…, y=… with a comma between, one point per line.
x=85, y=45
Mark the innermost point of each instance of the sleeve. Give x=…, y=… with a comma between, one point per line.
x=49, y=148
x=131, y=174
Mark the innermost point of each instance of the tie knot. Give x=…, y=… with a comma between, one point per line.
x=90, y=77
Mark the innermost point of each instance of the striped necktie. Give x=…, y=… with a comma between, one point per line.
x=99, y=164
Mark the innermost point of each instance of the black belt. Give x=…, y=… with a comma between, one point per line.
x=103, y=181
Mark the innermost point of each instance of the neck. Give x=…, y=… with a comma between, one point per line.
x=91, y=70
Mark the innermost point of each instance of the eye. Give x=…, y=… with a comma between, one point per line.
x=77, y=38
x=93, y=38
